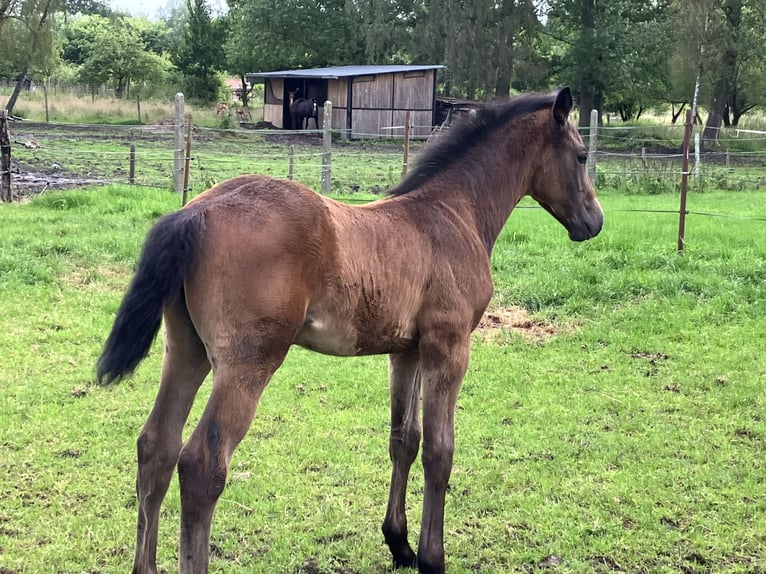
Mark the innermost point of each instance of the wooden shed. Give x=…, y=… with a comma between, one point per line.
x=367, y=101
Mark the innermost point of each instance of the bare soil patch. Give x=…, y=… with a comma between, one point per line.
x=517, y=319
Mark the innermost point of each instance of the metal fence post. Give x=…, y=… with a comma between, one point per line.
x=592, y=137
x=327, y=145
x=684, y=182
x=187, y=159
x=178, y=151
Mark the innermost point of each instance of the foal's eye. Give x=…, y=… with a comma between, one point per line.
x=582, y=158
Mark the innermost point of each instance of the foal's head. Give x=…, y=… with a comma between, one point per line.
x=561, y=184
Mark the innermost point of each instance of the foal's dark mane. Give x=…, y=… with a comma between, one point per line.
x=460, y=139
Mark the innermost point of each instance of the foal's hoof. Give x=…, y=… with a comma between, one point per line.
x=425, y=568
x=405, y=558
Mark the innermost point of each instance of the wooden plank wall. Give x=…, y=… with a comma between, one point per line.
x=272, y=108
x=380, y=103
x=337, y=92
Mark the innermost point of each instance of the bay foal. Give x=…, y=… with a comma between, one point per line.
x=255, y=265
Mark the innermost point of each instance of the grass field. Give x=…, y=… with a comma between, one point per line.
x=618, y=427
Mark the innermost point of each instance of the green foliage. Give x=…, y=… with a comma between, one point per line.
x=200, y=53
x=113, y=50
x=602, y=53
x=272, y=35
x=27, y=37
x=482, y=42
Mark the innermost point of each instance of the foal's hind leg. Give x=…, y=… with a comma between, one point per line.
x=403, y=448
x=185, y=366
x=204, y=462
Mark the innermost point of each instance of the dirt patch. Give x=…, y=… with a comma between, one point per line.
x=29, y=183
x=517, y=319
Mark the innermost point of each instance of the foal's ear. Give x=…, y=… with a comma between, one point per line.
x=562, y=106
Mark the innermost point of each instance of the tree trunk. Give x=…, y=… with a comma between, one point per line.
x=676, y=113
x=715, y=117
x=502, y=86
x=17, y=89
x=245, y=97
x=587, y=103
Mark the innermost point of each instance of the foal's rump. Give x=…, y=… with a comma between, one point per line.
x=204, y=244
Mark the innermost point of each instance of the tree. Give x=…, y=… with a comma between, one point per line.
x=480, y=41
x=112, y=51
x=267, y=35
x=733, y=68
x=749, y=85
x=33, y=47
x=611, y=51
x=730, y=14
x=384, y=28
x=201, y=52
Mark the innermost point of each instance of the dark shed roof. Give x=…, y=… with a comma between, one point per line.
x=339, y=72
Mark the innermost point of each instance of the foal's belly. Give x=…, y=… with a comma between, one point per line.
x=333, y=335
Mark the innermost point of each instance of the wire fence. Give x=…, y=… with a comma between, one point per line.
x=634, y=160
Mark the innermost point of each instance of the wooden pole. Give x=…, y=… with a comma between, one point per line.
x=406, y=159
x=684, y=182
x=178, y=152
x=327, y=144
x=187, y=159
x=132, y=166
x=138, y=106
x=592, y=139
x=6, y=193
x=45, y=97
x=290, y=161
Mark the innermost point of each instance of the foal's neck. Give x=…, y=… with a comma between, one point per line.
x=489, y=182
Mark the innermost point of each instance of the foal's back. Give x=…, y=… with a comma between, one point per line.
x=348, y=280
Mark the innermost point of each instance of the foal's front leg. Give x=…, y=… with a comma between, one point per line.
x=403, y=448
x=444, y=361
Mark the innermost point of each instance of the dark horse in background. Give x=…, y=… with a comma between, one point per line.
x=302, y=110
x=255, y=265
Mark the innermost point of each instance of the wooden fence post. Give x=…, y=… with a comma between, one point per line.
x=290, y=161
x=327, y=145
x=45, y=97
x=684, y=182
x=592, y=137
x=178, y=152
x=6, y=193
x=132, y=165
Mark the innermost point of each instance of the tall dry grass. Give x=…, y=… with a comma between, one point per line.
x=70, y=107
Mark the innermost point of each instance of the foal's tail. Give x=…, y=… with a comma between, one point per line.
x=167, y=257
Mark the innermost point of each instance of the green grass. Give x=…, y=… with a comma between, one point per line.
x=632, y=440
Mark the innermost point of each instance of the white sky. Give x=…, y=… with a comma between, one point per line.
x=153, y=9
